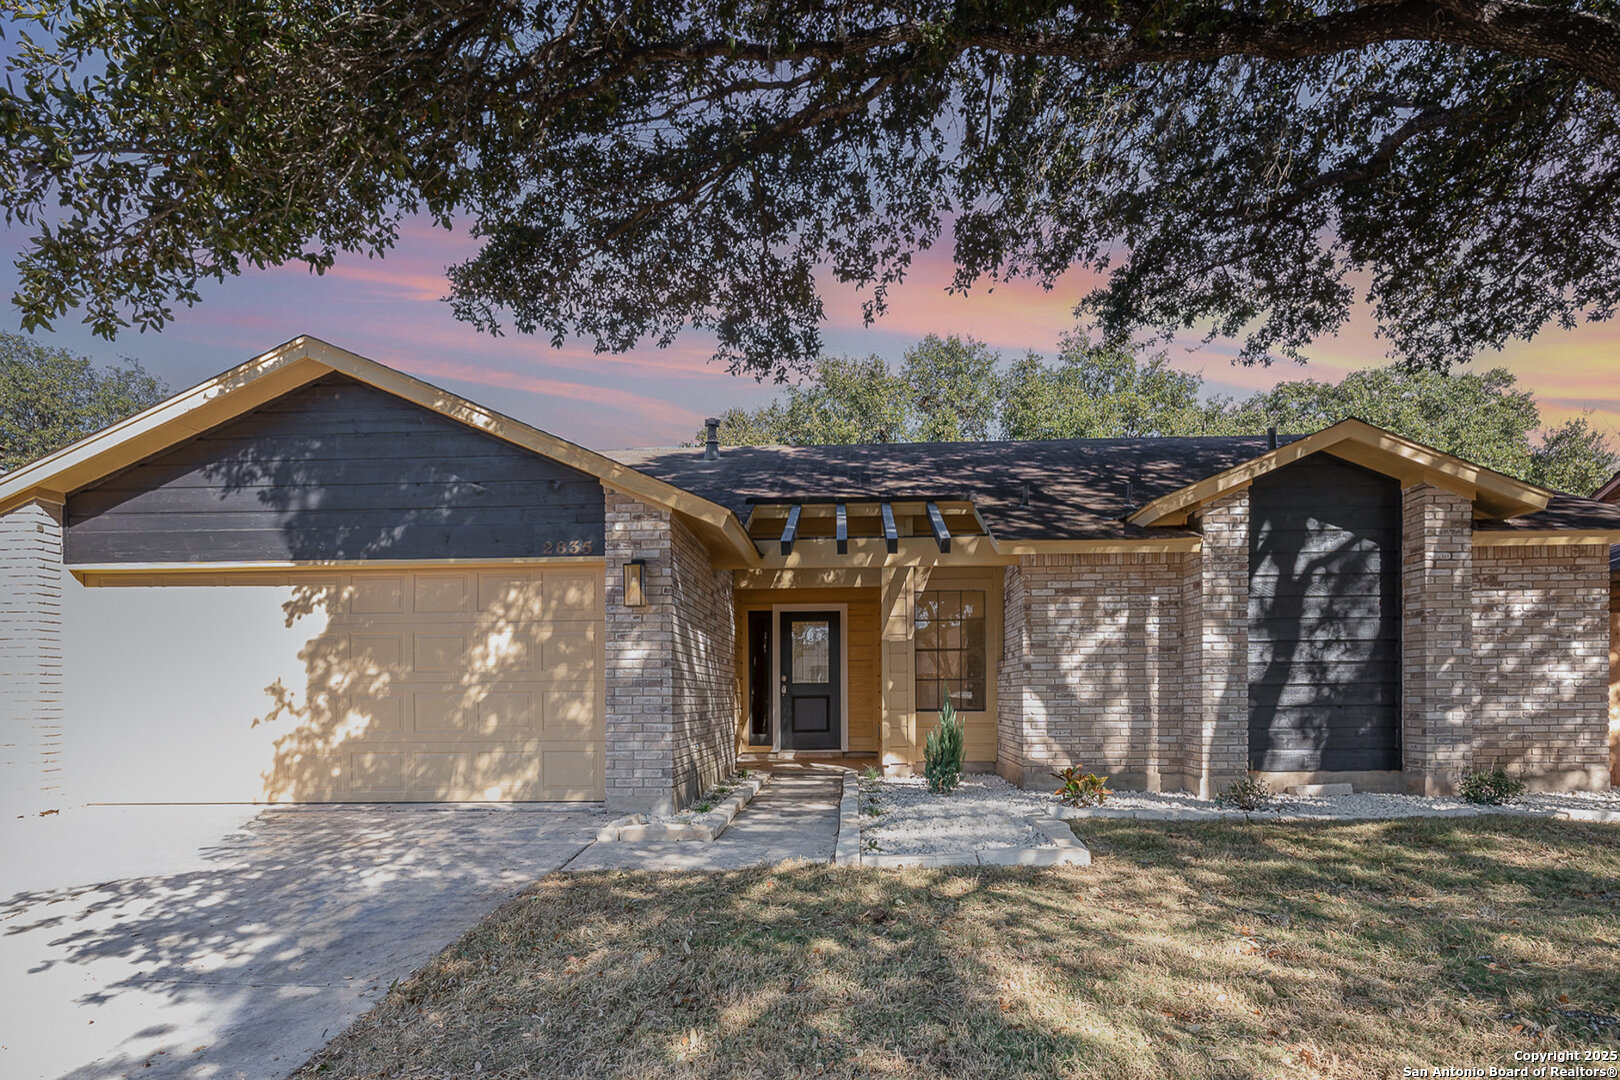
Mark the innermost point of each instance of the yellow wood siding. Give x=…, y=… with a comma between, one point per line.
x=865, y=690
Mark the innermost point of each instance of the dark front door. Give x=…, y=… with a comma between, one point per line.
x=812, y=712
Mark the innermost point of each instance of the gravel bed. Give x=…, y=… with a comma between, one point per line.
x=986, y=811
x=983, y=812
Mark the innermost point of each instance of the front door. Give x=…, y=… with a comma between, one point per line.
x=812, y=712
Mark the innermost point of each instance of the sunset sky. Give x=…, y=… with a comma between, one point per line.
x=390, y=310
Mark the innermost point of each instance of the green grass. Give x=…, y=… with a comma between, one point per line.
x=1265, y=950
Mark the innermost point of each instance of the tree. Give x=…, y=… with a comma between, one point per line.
x=1098, y=391
x=1095, y=390
x=636, y=167
x=50, y=398
x=951, y=387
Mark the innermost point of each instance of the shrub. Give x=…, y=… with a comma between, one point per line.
x=1492, y=788
x=1081, y=788
x=1247, y=795
x=944, y=751
x=871, y=774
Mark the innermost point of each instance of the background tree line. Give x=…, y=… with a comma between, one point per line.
x=954, y=388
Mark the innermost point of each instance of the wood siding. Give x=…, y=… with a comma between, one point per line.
x=337, y=470
x=865, y=672
x=1324, y=619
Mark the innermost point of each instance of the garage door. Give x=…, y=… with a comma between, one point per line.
x=449, y=686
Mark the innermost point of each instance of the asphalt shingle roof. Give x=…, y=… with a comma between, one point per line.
x=1077, y=486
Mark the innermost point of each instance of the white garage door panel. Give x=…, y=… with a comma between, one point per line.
x=417, y=686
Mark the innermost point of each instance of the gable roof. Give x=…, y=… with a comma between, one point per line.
x=1494, y=494
x=299, y=362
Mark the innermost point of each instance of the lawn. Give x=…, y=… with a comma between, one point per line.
x=1265, y=950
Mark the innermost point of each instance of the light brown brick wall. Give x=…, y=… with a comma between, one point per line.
x=1215, y=590
x=705, y=679
x=1437, y=637
x=1012, y=676
x=1093, y=644
x=31, y=658
x=670, y=679
x=1541, y=649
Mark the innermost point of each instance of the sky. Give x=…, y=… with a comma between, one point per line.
x=390, y=310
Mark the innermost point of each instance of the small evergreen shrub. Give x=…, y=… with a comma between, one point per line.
x=1490, y=788
x=1081, y=788
x=944, y=751
x=1247, y=795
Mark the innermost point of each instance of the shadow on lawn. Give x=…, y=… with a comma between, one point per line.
x=1223, y=951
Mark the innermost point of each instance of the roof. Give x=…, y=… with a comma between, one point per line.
x=297, y=363
x=1077, y=487
x=1035, y=495
x=1610, y=491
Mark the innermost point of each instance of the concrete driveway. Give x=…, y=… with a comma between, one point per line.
x=221, y=942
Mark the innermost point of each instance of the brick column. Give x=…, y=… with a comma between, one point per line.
x=1013, y=700
x=640, y=771
x=1437, y=638
x=30, y=658
x=1215, y=662
x=671, y=669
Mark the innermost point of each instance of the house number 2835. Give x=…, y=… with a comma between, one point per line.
x=566, y=547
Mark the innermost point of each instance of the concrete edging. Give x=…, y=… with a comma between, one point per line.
x=1066, y=850
x=847, y=851
x=636, y=829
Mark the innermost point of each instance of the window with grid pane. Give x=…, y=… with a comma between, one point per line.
x=950, y=642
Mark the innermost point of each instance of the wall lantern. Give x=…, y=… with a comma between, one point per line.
x=635, y=583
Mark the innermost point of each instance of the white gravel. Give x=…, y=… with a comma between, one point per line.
x=983, y=812
x=986, y=811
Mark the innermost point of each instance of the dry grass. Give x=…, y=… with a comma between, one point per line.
x=1186, y=951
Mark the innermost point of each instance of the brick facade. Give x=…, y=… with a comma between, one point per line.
x=1541, y=658
x=670, y=701
x=1091, y=667
x=1215, y=597
x=1437, y=637
x=30, y=658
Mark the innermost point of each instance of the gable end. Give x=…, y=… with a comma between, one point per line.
x=336, y=470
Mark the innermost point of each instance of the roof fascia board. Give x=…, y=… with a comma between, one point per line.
x=1545, y=537
x=1494, y=494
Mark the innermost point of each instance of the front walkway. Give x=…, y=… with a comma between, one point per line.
x=795, y=816
x=240, y=955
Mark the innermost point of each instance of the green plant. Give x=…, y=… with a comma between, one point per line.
x=1247, y=794
x=704, y=807
x=944, y=751
x=1491, y=787
x=1081, y=788
x=871, y=774
x=742, y=774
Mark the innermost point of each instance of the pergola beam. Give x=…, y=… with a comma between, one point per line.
x=891, y=535
x=790, y=531
x=936, y=523
x=841, y=529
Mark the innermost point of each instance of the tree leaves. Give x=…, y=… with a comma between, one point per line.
x=638, y=168
x=50, y=398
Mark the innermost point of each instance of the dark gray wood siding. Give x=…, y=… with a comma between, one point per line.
x=337, y=470
x=1324, y=618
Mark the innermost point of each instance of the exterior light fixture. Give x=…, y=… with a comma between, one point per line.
x=635, y=583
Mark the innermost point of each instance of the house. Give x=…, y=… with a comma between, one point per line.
x=1610, y=493
x=314, y=578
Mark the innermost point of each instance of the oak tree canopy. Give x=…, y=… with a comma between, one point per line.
x=1245, y=168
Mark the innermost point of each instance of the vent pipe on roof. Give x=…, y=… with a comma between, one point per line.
x=1271, y=437
x=711, y=442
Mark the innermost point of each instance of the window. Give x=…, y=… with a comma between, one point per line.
x=950, y=644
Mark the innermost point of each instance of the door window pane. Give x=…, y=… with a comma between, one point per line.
x=949, y=639
x=812, y=656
